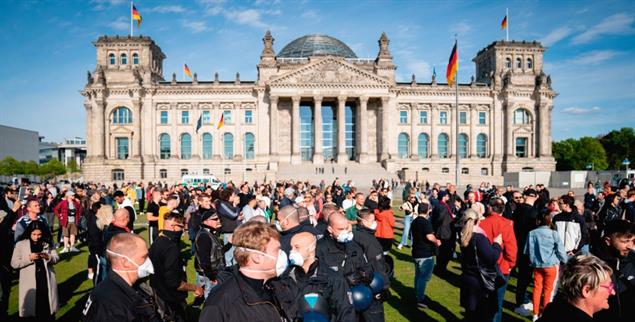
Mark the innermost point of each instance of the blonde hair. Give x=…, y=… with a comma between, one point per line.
x=471, y=218
x=580, y=271
x=104, y=216
x=252, y=235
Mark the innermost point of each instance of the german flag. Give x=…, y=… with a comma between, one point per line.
x=504, y=23
x=453, y=66
x=136, y=16
x=222, y=121
x=187, y=71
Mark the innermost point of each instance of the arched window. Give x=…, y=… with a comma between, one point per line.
x=135, y=59
x=521, y=116
x=403, y=143
x=228, y=146
x=207, y=141
x=463, y=143
x=111, y=59
x=519, y=63
x=508, y=62
x=250, y=145
x=422, y=145
x=530, y=63
x=121, y=115
x=442, y=146
x=186, y=146
x=481, y=145
x=124, y=59
x=164, y=146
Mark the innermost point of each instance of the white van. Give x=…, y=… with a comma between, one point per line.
x=194, y=180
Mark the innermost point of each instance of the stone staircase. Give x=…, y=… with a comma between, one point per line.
x=361, y=174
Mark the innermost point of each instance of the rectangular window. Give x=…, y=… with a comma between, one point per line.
x=122, y=148
x=481, y=118
x=462, y=117
x=206, y=171
x=118, y=175
x=484, y=171
x=163, y=173
x=206, y=117
x=443, y=117
x=249, y=117
x=403, y=117
x=185, y=117
x=423, y=117
x=521, y=147
x=227, y=116
x=184, y=172
x=164, y=117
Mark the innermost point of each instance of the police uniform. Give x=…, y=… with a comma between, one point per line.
x=322, y=291
x=349, y=260
x=115, y=300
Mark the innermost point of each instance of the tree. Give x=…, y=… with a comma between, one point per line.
x=572, y=154
x=563, y=152
x=72, y=166
x=619, y=145
x=30, y=167
x=10, y=166
x=52, y=168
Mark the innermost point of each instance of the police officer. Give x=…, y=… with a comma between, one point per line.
x=119, y=297
x=322, y=292
x=339, y=252
x=365, y=237
x=210, y=251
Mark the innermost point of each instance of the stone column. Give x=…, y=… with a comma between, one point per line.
x=273, y=128
x=473, y=118
x=383, y=111
x=509, y=151
x=295, y=135
x=363, y=130
x=174, y=135
x=99, y=137
x=136, y=138
x=341, y=130
x=434, y=119
x=318, y=157
x=413, y=133
x=90, y=143
x=217, y=137
x=544, y=130
x=196, y=137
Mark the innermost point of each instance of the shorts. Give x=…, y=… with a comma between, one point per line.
x=70, y=229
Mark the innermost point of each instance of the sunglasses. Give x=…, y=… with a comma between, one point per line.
x=610, y=287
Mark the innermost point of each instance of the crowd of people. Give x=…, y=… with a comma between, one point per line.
x=293, y=251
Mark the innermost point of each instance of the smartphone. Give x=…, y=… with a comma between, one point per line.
x=21, y=193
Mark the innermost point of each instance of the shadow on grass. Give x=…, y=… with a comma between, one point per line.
x=67, y=288
x=74, y=314
x=404, y=299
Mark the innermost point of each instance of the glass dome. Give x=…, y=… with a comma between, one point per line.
x=316, y=45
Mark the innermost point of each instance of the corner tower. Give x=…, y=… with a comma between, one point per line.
x=129, y=59
x=520, y=60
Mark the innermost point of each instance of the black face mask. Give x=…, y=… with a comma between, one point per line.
x=173, y=235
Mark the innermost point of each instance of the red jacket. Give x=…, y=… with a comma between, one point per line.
x=495, y=225
x=385, y=223
x=61, y=211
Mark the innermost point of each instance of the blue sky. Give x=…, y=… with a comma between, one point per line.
x=46, y=47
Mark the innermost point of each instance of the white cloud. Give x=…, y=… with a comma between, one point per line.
x=249, y=17
x=556, y=35
x=461, y=28
x=617, y=24
x=195, y=26
x=420, y=68
x=168, y=9
x=122, y=23
x=594, y=57
x=311, y=15
x=104, y=4
x=581, y=110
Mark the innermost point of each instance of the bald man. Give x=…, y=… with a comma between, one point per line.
x=315, y=280
x=289, y=225
x=119, y=225
x=119, y=298
x=338, y=251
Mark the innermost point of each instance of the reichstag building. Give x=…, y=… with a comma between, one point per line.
x=314, y=105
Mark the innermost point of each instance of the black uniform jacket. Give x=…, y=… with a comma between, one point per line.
x=347, y=259
x=115, y=300
x=373, y=251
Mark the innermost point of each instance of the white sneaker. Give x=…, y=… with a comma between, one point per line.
x=528, y=306
x=65, y=250
x=74, y=250
x=523, y=312
x=400, y=246
x=91, y=275
x=535, y=318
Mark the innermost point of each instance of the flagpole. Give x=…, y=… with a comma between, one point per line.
x=456, y=117
x=507, y=27
x=131, y=27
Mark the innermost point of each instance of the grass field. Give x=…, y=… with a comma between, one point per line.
x=74, y=288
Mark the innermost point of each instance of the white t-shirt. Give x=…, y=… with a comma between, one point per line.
x=347, y=203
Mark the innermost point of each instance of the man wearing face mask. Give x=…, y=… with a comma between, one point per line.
x=210, y=251
x=339, y=252
x=288, y=225
x=322, y=292
x=253, y=291
x=365, y=237
x=118, y=298
x=169, y=279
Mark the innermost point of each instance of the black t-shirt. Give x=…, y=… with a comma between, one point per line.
x=153, y=207
x=421, y=246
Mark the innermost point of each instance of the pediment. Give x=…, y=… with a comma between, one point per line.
x=330, y=71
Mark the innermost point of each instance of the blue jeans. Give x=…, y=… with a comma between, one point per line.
x=500, y=294
x=407, y=220
x=585, y=250
x=423, y=274
x=229, y=256
x=206, y=283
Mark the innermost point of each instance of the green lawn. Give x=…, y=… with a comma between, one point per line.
x=74, y=288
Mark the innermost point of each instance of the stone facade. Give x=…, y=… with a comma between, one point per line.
x=140, y=126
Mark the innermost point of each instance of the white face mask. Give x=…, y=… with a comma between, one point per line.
x=143, y=270
x=373, y=226
x=281, y=262
x=296, y=258
x=345, y=237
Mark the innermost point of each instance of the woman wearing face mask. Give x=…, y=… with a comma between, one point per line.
x=34, y=257
x=250, y=291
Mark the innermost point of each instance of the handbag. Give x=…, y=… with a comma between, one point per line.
x=491, y=278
